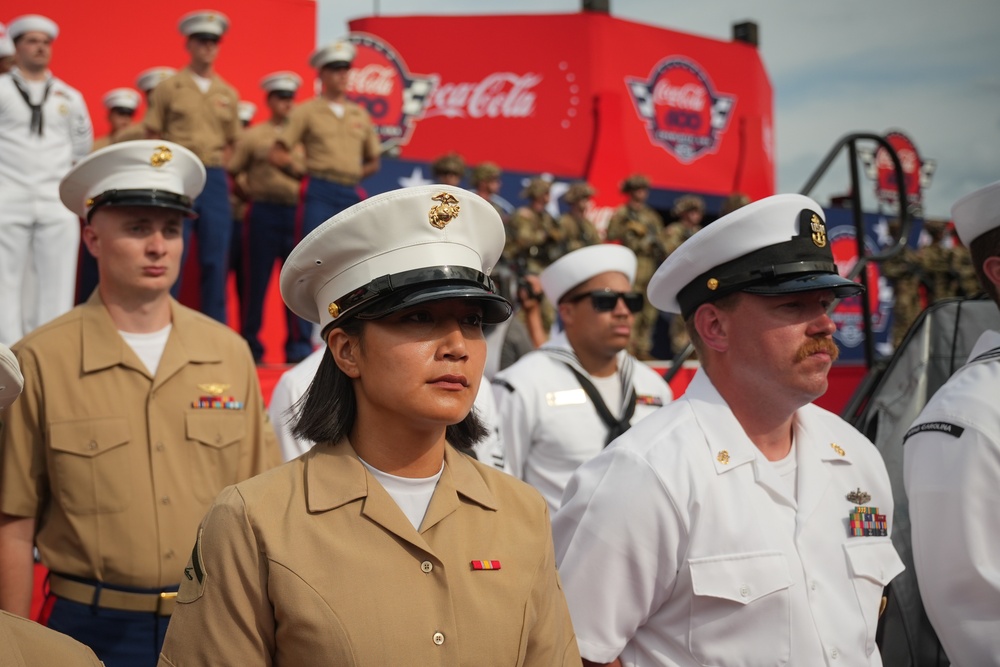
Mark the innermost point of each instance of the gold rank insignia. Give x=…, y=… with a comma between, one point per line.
x=214, y=388
x=818, y=231
x=723, y=457
x=859, y=497
x=161, y=156
x=837, y=448
x=443, y=213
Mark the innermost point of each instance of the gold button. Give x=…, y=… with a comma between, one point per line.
x=334, y=310
x=438, y=638
x=713, y=284
x=427, y=566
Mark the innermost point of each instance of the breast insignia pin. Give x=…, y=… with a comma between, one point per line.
x=859, y=497
x=214, y=388
x=723, y=457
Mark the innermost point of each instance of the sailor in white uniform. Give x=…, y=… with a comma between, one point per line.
x=739, y=525
x=951, y=470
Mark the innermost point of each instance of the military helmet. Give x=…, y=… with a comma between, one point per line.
x=634, y=182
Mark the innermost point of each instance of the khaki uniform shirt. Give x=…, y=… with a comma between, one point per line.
x=675, y=234
x=264, y=182
x=24, y=643
x=335, y=147
x=131, y=133
x=204, y=123
x=118, y=466
x=315, y=562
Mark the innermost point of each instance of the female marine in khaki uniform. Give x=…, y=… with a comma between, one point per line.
x=383, y=545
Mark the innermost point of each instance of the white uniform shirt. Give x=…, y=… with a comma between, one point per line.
x=31, y=166
x=548, y=424
x=951, y=469
x=294, y=383
x=677, y=545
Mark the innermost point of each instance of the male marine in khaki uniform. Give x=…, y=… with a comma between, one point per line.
x=274, y=198
x=146, y=81
x=138, y=412
x=196, y=108
x=341, y=142
x=638, y=227
x=121, y=104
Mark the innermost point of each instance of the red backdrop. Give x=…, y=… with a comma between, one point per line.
x=105, y=45
x=553, y=93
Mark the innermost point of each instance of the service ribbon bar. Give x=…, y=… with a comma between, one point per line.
x=485, y=565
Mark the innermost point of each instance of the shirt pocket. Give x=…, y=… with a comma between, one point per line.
x=215, y=436
x=741, y=596
x=873, y=563
x=90, y=465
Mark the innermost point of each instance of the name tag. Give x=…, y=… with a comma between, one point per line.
x=568, y=397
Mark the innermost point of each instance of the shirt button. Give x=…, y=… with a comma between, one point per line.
x=438, y=638
x=426, y=566
x=169, y=554
x=812, y=585
x=834, y=654
x=745, y=590
x=165, y=500
x=92, y=445
x=218, y=438
x=159, y=446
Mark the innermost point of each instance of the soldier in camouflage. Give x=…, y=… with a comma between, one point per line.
x=935, y=259
x=535, y=240
x=903, y=271
x=638, y=227
x=448, y=169
x=579, y=230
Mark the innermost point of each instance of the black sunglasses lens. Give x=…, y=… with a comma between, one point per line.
x=633, y=301
x=604, y=301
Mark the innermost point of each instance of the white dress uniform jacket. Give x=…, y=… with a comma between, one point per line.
x=679, y=545
x=548, y=424
x=293, y=384
x=951, y=469
x=33, y=222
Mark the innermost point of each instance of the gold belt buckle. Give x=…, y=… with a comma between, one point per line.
x=165, y=605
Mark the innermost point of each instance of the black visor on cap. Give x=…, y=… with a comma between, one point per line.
x=283, y=94
x=802, y=264
x=154, y=198
x=392, y=293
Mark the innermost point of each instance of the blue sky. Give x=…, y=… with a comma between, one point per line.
x=926, y=67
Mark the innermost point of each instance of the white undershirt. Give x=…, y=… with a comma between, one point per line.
x=337, y=109
x=148, y=346
x=610, y=389
x=36, y=90
x=202, y=83
x=788, y=472
x=412, y=495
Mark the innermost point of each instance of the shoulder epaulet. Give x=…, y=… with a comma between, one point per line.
x=503, y=383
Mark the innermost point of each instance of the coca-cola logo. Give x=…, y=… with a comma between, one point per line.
x=682, y=111
x=380, y=82
x=498, y=95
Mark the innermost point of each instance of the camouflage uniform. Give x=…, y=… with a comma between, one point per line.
x=536, y=239
x=639, y=230
x=904, y=272
x=965, y=272
x=578, y=229
x=938, y=273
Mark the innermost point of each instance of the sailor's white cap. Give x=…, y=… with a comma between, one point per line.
x=148, y=79
x=204, y=22
x=245, y=111
x=121, y=98
x=777, y=245
x=32, y=23
x=146, y=172
x=581, y=265
x=977, y=213
x=338, y=52
x=396, y=250
x=6, y=43
x=281, y=82
x=11, y=380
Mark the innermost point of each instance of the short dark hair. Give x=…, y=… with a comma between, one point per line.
x=327, y=411
x=982, y=248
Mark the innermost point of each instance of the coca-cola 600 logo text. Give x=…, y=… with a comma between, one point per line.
x=380, y=82
x=681, y=108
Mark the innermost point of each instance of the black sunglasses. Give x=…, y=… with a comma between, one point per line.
x=605, y=300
